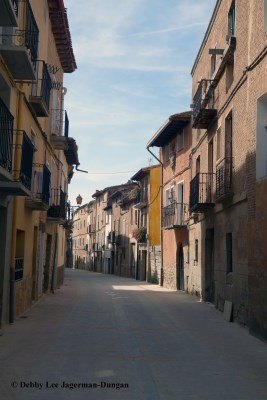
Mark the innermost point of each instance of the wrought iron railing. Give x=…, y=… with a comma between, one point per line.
x=42, y=88
x=6, y=137
x=31, y=32
x=59, y=122
x=41, y=183
x=19, y=264
x=224, y=171
x=27, y=37
x=174, y=215
x=23, y=163
x=197, y=101
x=58, y=206
x=66, y=125
x=201, y=190
x=202, y=113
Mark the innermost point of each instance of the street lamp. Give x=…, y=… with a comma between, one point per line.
x=79, y=200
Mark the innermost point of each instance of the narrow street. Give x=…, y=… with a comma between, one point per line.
x=157, y=343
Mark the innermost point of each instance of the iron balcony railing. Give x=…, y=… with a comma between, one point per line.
x=66, y=125
x=59, y=122
x=224, y=172
x=23, y=164
x=19, y=264
x=41, y=183
x=42, y=87
x=201, y=192
x=202, y=114
x=6, y=137
x=58, y=206
x=174, y=215
x=31, y=32
x=27, y=37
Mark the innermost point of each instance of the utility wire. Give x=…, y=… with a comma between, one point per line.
x=110, y=173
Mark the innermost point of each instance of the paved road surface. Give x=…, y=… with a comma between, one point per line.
x=101, y=330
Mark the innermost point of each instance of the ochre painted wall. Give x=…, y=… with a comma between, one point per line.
x=154, y=208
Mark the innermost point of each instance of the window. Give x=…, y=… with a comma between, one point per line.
x=212, y=64
x=229, y=74
x=231, y=20
x=229, y=256
x=167, y=153
x=196, y=250
x=198, y=165
x=219, y=141
x=180, y=141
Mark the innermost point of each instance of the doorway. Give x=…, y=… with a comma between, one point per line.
x=34, y=265
x=47, y=262
x=180, y=267
x=209, y=266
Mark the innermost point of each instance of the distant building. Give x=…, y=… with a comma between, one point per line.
x=174, y=139
x=147, y=233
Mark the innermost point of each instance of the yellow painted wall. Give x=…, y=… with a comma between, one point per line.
x=154, y=208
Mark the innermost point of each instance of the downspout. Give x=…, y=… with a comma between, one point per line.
x=161, y=202
x=17, y=163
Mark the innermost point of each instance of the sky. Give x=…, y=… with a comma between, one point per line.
x=134, y=59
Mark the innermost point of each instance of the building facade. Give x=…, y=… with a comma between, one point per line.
x=147, y=233
x=80, y=238
x=36, y=154
x=229, y=160
x=174, y=139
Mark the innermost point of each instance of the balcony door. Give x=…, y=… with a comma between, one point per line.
x=180, y=201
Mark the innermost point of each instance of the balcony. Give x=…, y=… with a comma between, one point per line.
x=201, y=192
x=39, y=199
x=203, y=115
x=9, y=12
x=22, y=165
x=59, y=129
x=58, y=206
x=141, y=200
x=71, y=153
x=174, y=215
x=224, y=171
x=6, y=142
x=40, y=94
x=140, y=234
x=19, y=48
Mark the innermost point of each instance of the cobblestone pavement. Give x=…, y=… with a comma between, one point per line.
x=98, y=331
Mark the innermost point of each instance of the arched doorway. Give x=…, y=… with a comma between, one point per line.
x=180, y=267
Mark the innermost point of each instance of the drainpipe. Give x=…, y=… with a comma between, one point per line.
x=161, y=202
x=17, y=164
